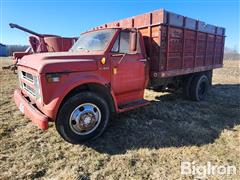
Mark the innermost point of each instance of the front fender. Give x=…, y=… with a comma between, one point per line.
x=56, y=93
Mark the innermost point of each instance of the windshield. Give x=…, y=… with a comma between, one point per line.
x=93, y=41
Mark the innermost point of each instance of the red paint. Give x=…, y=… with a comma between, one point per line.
x=40, y=43
x=175, y=43
x=31, y=112
x=164, y=50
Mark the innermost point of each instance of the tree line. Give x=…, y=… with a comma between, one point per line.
x=15, y=48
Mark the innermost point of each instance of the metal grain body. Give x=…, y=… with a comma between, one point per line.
x=175, y=44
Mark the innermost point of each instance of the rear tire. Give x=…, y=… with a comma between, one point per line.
x=187, y=85
x=82, y=117
x=199, y=87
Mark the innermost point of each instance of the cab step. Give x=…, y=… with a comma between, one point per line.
x=133, y=105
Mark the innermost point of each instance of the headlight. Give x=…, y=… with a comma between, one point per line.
x=37, y=86
x=19, y=79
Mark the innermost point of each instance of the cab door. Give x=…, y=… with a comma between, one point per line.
x=128, y=66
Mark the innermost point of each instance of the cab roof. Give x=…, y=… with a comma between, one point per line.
x=104, y=28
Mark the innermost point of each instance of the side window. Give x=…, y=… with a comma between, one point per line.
x=121, y=44
x=138, y=44
x=124, y=42
x=115, y=47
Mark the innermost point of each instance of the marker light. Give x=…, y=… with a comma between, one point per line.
x=115, y=70
x=103, y=60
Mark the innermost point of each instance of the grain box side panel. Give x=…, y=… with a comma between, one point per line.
x=126, y=23
x=175, y=42
x=210, y=50
x=158, y=17
x=142, y=20
x=163, y=48
x=189, y=49
x=201, y=49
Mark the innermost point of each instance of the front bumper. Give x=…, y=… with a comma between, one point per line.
x=30, y=111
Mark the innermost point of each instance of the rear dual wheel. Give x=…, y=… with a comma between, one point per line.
x=82, y=117
x=199, y=87
x=196, y=87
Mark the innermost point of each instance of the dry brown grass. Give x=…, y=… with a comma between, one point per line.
x=146, y=143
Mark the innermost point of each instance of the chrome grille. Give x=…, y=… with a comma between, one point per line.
x=30, y=81
x=29, y=89
x=27, y=76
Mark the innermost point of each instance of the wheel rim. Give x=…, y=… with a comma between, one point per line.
x=202, y=89
x=85, y=119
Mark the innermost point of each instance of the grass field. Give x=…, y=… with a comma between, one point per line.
x=146, y=143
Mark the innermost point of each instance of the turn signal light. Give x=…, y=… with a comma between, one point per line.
x=115, y=70
x=53, y=78
x=103, y=60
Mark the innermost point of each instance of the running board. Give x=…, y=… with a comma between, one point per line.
x=133, y=105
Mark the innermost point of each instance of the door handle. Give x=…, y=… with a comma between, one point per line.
x=117, y=55
x=143, y=60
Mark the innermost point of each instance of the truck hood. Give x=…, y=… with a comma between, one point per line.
x=61, y=62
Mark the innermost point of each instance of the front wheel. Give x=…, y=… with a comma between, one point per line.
x=82, y=117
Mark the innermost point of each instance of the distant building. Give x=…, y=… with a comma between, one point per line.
x=3, y=50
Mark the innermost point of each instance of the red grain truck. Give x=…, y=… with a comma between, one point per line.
x=108, y=68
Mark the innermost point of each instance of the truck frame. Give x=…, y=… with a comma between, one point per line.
x=108, y=68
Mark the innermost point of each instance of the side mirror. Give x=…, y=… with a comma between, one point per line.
x=133, y=41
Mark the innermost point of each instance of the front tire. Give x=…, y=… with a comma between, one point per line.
x=82, y=117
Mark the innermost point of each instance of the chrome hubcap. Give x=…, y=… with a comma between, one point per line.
x=85, y=119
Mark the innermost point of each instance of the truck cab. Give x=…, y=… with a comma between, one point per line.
x=105, y=72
